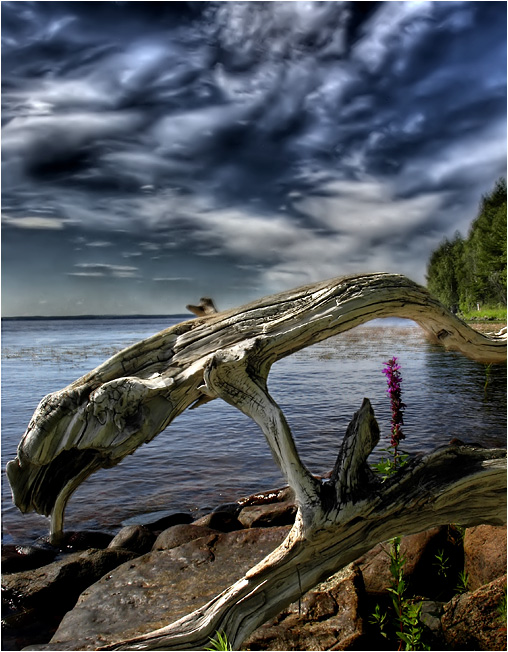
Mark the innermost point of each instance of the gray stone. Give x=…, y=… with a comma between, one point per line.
x=160, y=587
x=222, y=521
x=179, y=534
x=137, y=538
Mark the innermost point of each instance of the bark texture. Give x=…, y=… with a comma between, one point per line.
x=105, y=415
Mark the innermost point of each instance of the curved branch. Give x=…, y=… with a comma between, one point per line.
x=108, y=413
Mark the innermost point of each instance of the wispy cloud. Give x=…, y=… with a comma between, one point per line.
x=104, y=270
x=34, y=222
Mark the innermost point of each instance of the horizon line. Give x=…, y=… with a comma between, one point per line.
x=97, y=316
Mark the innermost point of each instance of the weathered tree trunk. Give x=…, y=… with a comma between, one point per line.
x=341, y=520
x=107, y=414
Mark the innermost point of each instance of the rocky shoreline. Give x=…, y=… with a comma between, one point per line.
x=94, y=590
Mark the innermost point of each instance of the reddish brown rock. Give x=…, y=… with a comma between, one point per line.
x=484, y=554
x=330, y=617
x=473, y=621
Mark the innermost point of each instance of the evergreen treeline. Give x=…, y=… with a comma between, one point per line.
x=463, y=273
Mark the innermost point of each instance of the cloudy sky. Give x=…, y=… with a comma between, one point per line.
x=156, y=152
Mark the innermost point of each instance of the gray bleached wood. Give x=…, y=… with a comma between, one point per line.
x=105, y=415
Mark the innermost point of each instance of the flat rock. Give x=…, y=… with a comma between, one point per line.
x=160, y=587
x=330, y=617
x=472, y=621
x=484, y=554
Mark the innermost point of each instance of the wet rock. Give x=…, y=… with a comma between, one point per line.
x=20, y=558
x=222, y=521
x=330, y=617
x=484, y=554
x=39, y=598
x=168, y=520
x=80, y=540
x=231, y=508
x=268, y=515
x=137, y=538
x=179, y=534
x=160, y=587
x=268, y=497
x=472, y=621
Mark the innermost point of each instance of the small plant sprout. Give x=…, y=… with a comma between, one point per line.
x=442, y=563
x=402, y=620
x=380, y=619
x=462, y=583
x=219, y=642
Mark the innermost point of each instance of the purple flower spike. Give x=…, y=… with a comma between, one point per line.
x=394, y=380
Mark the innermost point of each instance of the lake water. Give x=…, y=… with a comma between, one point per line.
x=215, y=454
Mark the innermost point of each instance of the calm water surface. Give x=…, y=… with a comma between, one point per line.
x=216, y=454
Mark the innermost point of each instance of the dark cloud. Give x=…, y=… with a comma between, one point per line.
x=261, y=134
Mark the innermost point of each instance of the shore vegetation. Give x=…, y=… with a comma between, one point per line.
x=468, y=275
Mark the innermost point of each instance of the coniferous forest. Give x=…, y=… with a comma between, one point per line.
x=469, y=274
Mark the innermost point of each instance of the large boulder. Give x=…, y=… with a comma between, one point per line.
x=474, y=621
x=330, y=617
x=34, y=601
x=160, y=587
x=484, y=554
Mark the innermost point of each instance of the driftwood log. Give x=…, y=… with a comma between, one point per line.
x=105, y=415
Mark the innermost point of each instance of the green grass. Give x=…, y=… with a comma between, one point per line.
x=486, y=313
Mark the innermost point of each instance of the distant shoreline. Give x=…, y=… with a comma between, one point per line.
x=72, y=317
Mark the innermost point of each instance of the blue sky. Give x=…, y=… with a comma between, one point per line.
x=155, y=152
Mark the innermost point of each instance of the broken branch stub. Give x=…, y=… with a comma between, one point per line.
x=105, y=415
